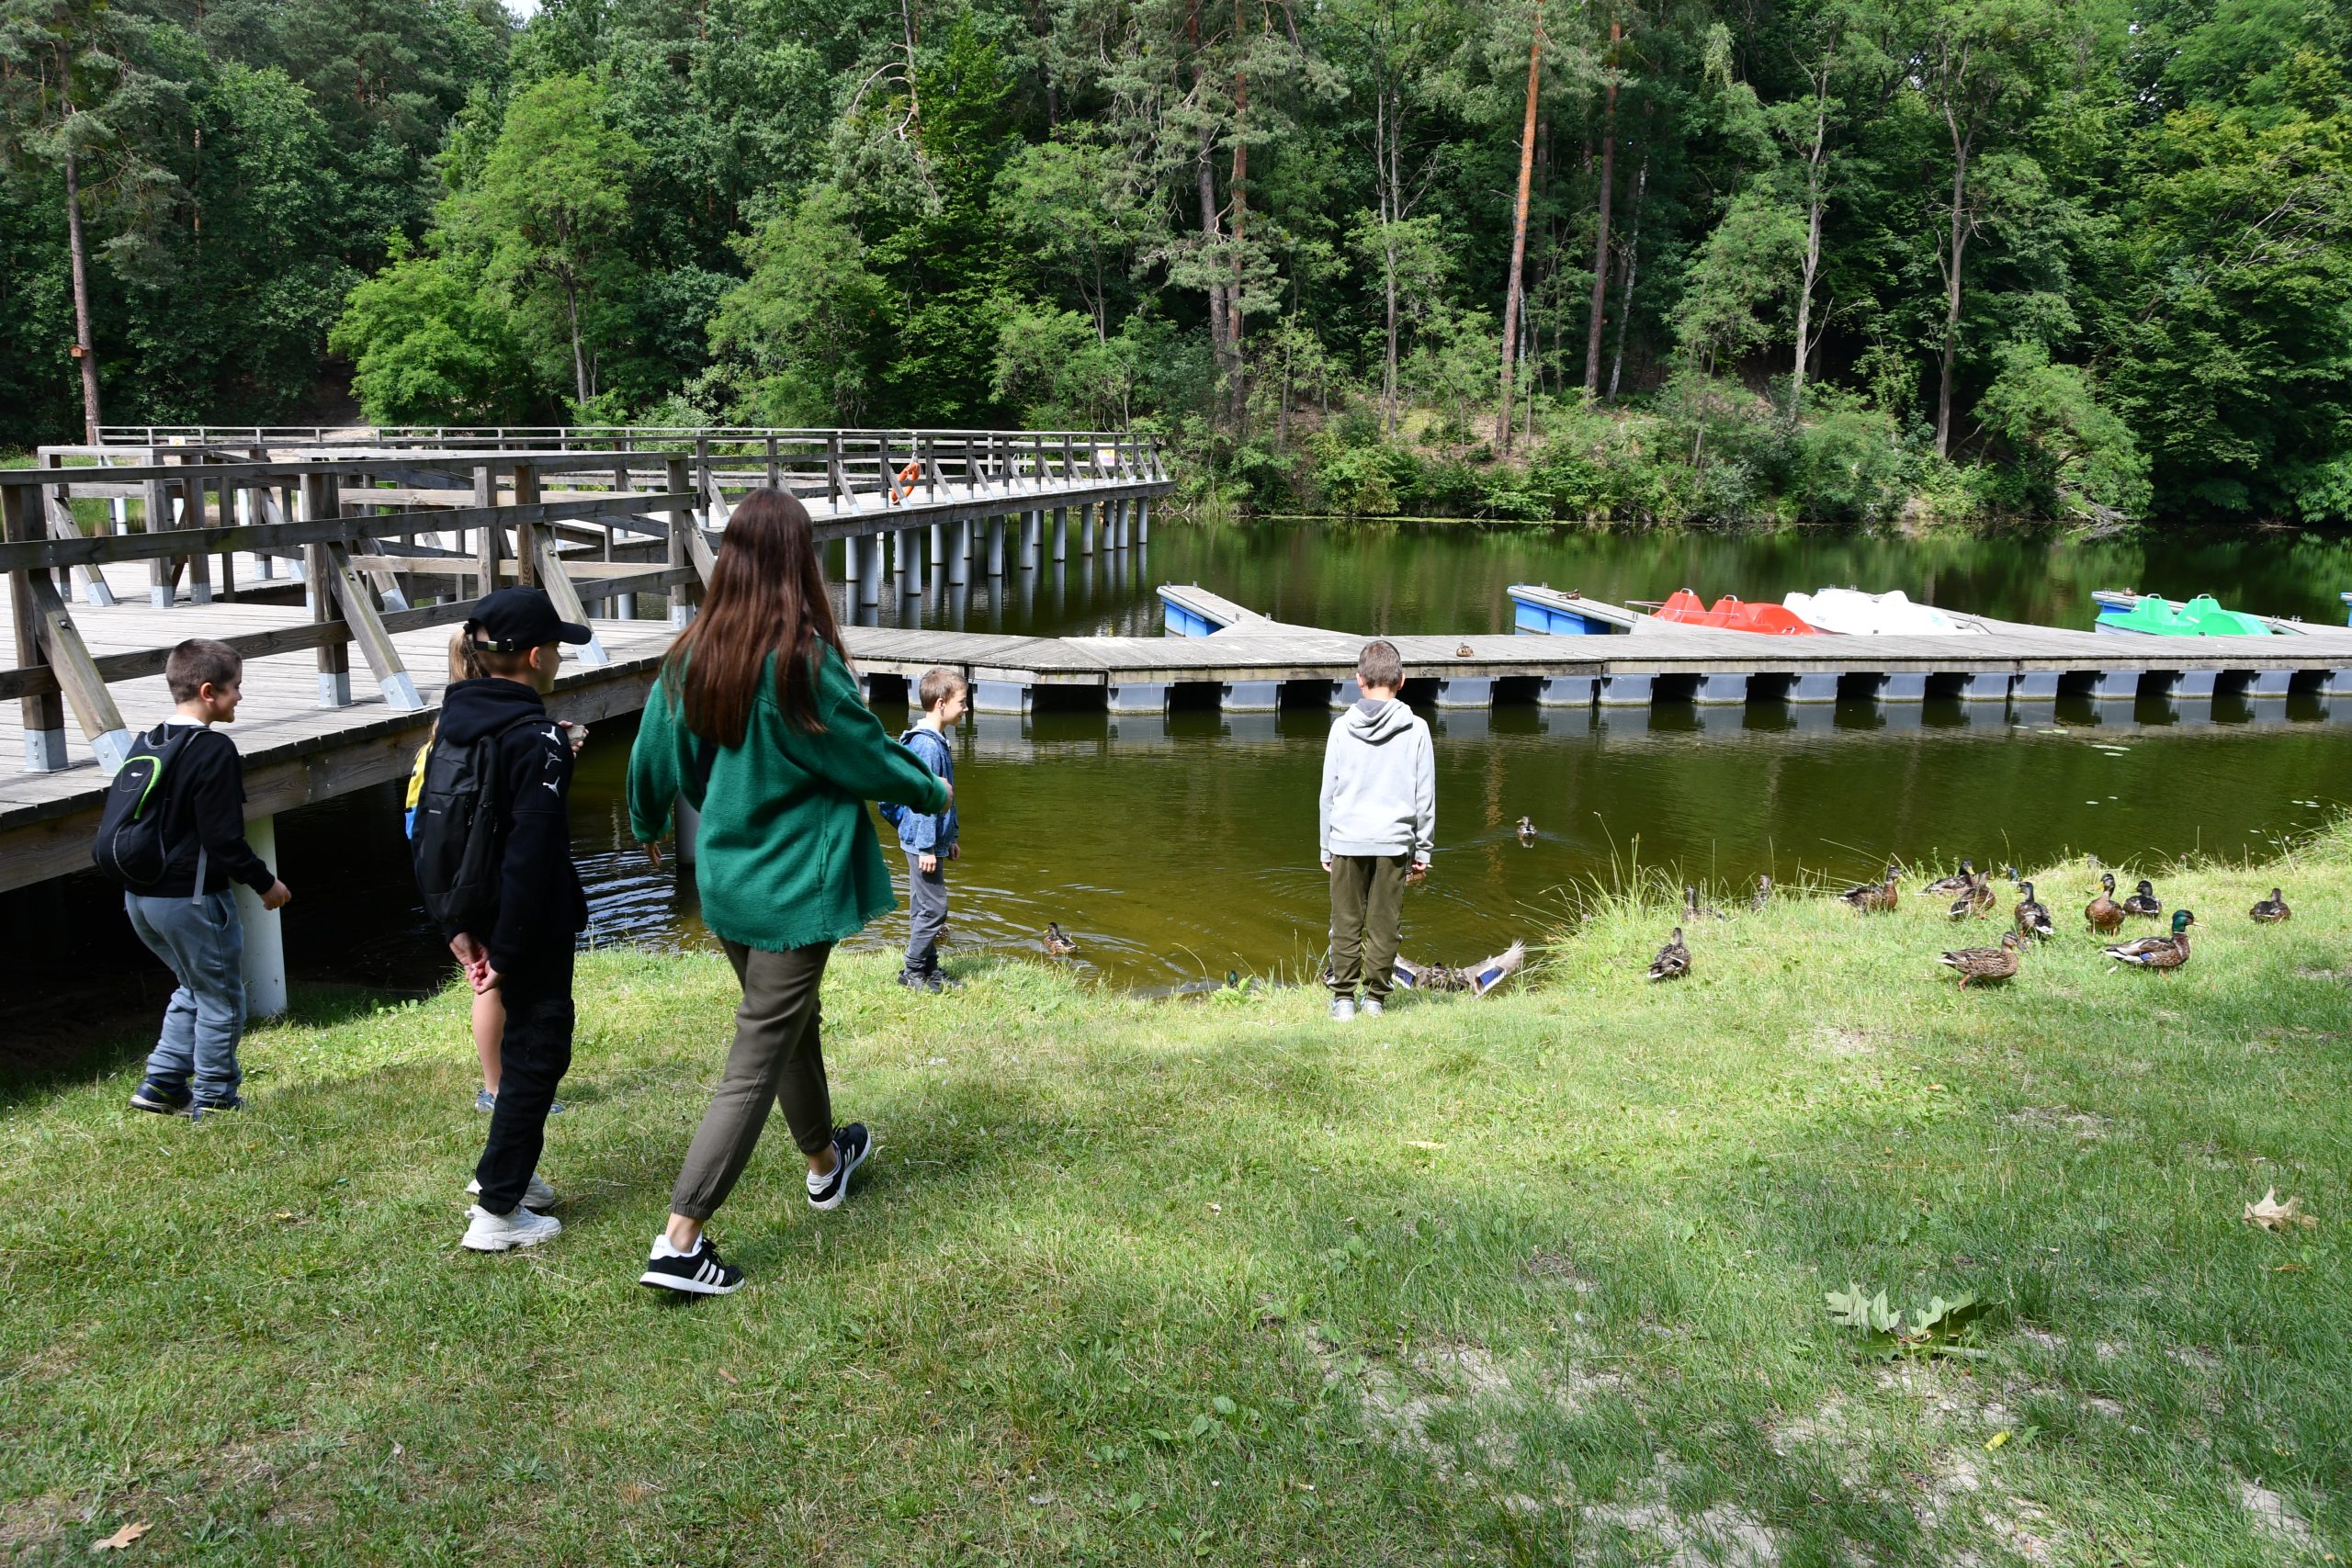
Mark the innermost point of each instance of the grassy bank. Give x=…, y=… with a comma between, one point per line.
x=1537, y=1278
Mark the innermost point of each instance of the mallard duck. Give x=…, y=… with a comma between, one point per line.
x=2010, y=873
x=1673, y=960
x=1694, y=911
x=1978, y=901
x=2143, y=901
x=1985, y=963
x=1877, y=897
x=2103, y=912
x=1527, y=830
x=2032, y=915
x=1465, y=651
x=1954, y=886
x=1056, y=942
x=2272, y=910
x=2157, y=952
x=1477, y=979
x=1763, y=893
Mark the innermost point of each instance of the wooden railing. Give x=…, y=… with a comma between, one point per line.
x=371, y=515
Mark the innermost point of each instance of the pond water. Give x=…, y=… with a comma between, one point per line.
x=1176, y=849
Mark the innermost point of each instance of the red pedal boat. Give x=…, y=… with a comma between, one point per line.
x=1773, y=620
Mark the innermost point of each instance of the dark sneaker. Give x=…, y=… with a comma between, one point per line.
x=161, y=1099
x=204, y=1105
x=700, y=1273
x=939, y=979
x=918, y=980
x=850, y=1145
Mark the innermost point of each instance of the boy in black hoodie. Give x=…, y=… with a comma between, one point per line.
x=539, y=907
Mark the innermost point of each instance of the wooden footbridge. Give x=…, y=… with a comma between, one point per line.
x=300, y=547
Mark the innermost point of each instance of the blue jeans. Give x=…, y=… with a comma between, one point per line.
x=203, y=943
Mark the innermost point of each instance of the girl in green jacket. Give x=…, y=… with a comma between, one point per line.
x=756, y=720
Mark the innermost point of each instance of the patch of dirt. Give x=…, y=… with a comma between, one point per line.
x=1559, y=1268
x=2274, y=1521
x=2087, y=1126
x=1724, y=1536
x=29, y=1522
x=1843, y=1044
x=2042, y=1337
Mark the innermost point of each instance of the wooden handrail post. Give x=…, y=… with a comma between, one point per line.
x=835, y=480
x=200, y=561
x=163, y=571
x=685, y=535
x=57, y=510
x=776, y=468
x=367, y=624
x=486, y=540
x=44, y=715
x=321, y=500
x=527, y=493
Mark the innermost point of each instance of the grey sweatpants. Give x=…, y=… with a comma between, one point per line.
x=778, y=1059
x=203, y=943
x=926, y=911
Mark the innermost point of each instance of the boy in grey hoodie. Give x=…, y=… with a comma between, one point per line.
x=1379, y=824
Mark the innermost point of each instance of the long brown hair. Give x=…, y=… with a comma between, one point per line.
x=766, y=596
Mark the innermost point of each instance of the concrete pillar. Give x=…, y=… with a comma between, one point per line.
x=1252, y=697
x=1465, y=691
x=1136, y=696
x=1984, y=686
x=996, y=547
x=1119, y=525
x=625, y=606
x=869, y=568
x=1061, y=534
x=2338, y=683
x=265, y=934
x=1086, y=535
x=1566, y=691
x=936, y=547
x=1000, y=696
x=1901, y=688
x=1032, y=528
x=849, y=553
x=909, y=561
x=1143, y=522
x=1721, y=689
x=689, y=829
x=1625, y=691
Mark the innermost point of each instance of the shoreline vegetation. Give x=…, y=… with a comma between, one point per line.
x=1540, y=1277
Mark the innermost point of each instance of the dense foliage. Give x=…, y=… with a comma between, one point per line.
x=1844, y=259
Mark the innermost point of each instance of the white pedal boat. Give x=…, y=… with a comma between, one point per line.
x=1856, y=614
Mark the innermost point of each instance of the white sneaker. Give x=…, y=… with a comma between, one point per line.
x=498, y=1232
x=1343, y=1010
x=537, y=1195
x=1372, y=1008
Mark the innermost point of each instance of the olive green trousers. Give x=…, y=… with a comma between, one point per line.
x=1367, y=916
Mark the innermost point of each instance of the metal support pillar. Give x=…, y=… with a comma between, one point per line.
x=1033, y=527
x=1721, y=689
x=1566, y=691
x=1819, y=688
x=869, y=568
x=2116, y=686
x=1086, y=528
x=1143, y=522
x=1061, y=534
x=265, y=961
x=2035, y=686
x=1001, y=696
x=996, y=547
x=959, y=553
x=2269, y=682
x=1251, y=696
x=1626, y=691
x=1465, y=691
x=2194, y=683
x=1136, y=696
x=1901, y=688
x=1984, y=686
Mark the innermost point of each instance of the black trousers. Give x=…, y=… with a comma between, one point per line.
x=533, y=1055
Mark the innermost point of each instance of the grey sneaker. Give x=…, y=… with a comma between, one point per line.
x=1343, y=1010
x=1372, y=1008
x=485, y=1100
x=537, y=1195
x=501, y=1233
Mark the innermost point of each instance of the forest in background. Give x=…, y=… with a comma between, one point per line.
x=1711, y=261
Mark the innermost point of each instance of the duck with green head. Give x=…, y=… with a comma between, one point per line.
x=2157, y=952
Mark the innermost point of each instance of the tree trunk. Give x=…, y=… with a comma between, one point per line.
x=1814, y=200
x=1519, y=231
x=1241, y=186
x=83, y=349
x=1959, y=247
x=579, y=357
x=1212, y=230
x=1601, y=239
x=1388, y=198
x=1633, y=274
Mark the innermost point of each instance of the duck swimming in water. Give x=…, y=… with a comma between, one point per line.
x=1056, y=943
x=1526, y=829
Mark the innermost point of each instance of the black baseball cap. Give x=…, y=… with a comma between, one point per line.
x=516, y=619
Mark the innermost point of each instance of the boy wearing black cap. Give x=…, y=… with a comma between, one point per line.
x=521, y=942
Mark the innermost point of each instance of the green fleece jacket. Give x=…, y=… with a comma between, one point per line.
x=786, y=855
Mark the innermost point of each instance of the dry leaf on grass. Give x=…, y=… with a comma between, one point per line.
x=121, y=1538
x=2273, y=1215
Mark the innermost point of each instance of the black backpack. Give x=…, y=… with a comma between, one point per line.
x=456, y=841
x=130, y=846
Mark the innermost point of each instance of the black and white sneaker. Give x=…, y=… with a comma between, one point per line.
x=850, y=1145
x=700, y=1273
x=161, y=1099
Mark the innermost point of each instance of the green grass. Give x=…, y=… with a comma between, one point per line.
x=1536, y=1278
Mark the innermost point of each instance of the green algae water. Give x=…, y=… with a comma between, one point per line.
x=1180, y=848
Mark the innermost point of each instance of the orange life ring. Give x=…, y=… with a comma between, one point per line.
x=907, y=477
